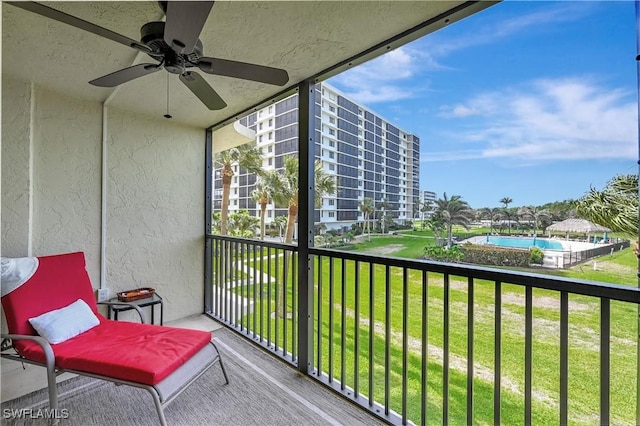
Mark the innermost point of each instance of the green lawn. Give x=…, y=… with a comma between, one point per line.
x=337, y=350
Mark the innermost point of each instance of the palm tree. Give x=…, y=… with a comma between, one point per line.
x=281, y=222
x=366, y=207
x=492, y=213
x=385, y=207
x=615, y=207
x=506, y=201
x=262, y=194
x=435, y=225
x=285, y=190
x=427, y=206
x=246, y=156
x=453, y=211
x=534, y=213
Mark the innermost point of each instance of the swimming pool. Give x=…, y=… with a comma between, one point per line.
x=520, y=242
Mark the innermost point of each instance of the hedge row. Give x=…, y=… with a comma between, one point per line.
x=498, y=256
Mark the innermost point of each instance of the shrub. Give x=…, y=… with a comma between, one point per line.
x=498, y=256
x=356, y=229
x=536, y=255
x=442, y=254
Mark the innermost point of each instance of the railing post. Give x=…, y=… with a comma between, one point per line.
x=637, y=10
x=306, y=201
x=208, y=210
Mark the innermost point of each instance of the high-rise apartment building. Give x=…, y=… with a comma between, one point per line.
x=369, y=156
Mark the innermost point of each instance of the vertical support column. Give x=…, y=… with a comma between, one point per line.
x=208, y=211
x=637, y=5
x=306, y=200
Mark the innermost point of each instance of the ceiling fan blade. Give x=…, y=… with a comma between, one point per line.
x=202, y=90
x=124, y=75
x=260, y=73
x=185, y=20
x=79, y=23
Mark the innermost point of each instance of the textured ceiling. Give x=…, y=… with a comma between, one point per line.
x=303, y=37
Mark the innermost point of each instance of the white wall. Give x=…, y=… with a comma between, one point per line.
x=16, y=179
x=66, y=178
x=51, y=192
x=155, y=206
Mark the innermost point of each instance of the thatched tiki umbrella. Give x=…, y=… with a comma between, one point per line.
x=582, y=226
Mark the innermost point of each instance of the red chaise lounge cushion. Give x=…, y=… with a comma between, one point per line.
x=128, y=351
x=135, y=352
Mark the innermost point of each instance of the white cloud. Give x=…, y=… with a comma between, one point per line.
x=501, y=27
x=393, y=76
x=566, y=119
x=380, y=80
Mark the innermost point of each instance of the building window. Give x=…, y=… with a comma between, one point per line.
x=332, y=167
x=260, y=126
x=260, y=138
x=331, y=155
x=332, y=144
x=332, y=108
x=332, y=120
x=270, y=161
x=270, y=148
x=332, y=132
x=332, y=202
x=332, y=214
x=270, y=135
x=270, y=122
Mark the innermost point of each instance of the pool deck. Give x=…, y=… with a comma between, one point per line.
x=552, y=258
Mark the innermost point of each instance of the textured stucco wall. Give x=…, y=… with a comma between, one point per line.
x=155, y=192
x=66, y=171
x=155, y=207
x=16, y=117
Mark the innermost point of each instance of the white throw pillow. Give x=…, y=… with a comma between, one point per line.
x=64, y=323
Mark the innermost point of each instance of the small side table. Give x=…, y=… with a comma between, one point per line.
x=149, y=301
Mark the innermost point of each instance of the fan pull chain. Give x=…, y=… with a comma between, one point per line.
x=167, y=115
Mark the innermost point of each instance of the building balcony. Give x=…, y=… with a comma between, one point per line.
x=260, y=387
x=422, y=342
x=399, y=341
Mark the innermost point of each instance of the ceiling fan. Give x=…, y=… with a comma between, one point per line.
x=175, y=45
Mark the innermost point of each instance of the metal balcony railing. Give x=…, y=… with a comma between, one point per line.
x=432, y=343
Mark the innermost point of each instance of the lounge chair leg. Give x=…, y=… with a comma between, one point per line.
x=53, y=394
x=159, y=408
x=224, y=372
x=51, y=382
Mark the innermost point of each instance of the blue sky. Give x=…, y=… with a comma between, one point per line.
x=532, y=100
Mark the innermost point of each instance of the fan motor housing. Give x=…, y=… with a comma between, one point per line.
x=152, y=34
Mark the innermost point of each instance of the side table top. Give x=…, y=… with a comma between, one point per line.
x=140, y=302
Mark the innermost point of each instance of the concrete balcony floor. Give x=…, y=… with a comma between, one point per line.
x=263, y=390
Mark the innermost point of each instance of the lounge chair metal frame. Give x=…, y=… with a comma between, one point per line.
x=159, y=399
x=71, y=268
